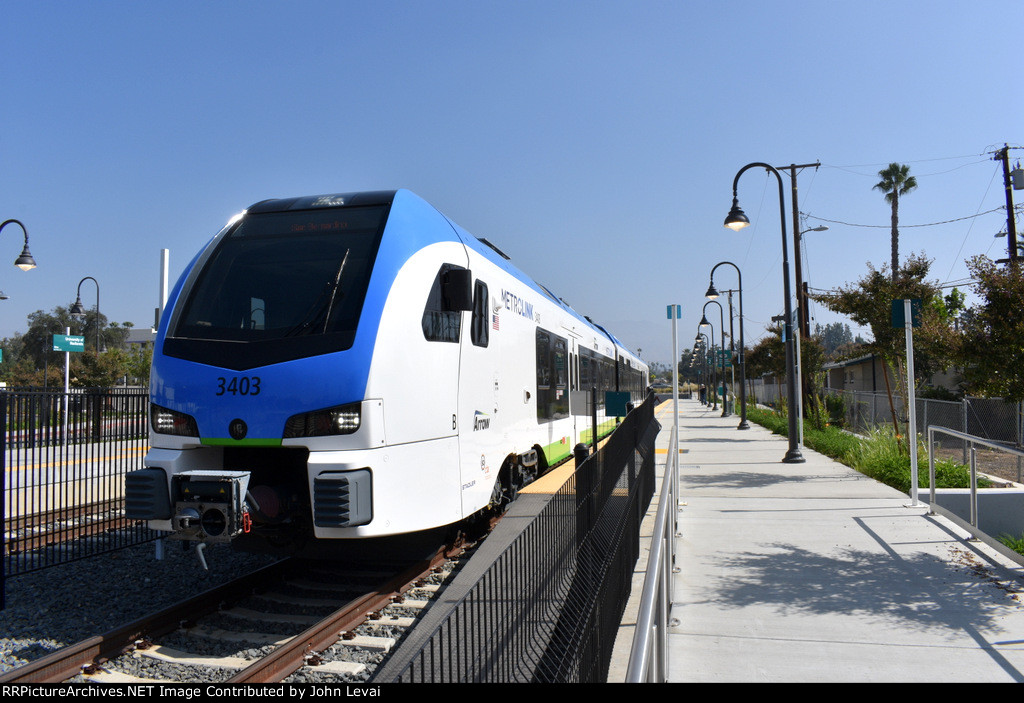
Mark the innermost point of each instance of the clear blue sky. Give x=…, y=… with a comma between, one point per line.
x=594, y=141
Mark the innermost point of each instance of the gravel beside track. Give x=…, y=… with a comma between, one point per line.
x=49, y=609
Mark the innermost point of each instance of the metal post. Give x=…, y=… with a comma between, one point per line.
x=674, y=312
x=3, y=498
x=1020, y=437
x=963, y=428
x=931, y=467
x=911, y=399
x=67, y=391
x=974, y=486
x=799, y=387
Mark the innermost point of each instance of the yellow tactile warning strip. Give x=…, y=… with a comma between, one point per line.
x=550, y=482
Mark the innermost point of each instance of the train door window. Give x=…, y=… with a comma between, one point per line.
x=586, y=362
x=440, y=324
x=543, y=367
x=479, y=327
x=561, y=372
x=552, y=376
x=560, y=399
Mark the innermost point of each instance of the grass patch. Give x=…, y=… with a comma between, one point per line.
x=1014, y=543
x=878, y=455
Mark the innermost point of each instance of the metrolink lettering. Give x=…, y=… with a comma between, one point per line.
x=517, y=305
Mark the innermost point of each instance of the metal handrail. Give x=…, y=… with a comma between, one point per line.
x=972, y=524
x=648, y=659
x=973, y=439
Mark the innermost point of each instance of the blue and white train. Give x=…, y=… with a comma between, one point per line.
x=356, y=366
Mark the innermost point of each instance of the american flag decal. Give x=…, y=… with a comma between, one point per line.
x=494, y=320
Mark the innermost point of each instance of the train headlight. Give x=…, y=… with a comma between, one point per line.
x=166, y=421
x=343, y=419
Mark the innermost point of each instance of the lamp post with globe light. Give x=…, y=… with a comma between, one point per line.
x=711, y=295
x=737, y=220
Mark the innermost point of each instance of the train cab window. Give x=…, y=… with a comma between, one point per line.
x=277, y=286
x=480, y=325
x=439, y=323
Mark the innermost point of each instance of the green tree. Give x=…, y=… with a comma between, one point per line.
x=29, y=359
x=769, y=357
x=989, y=345
x=139, y=361
x=660, y=371
x=92, y=370
x=896, y=182
x=869, y=303
x=833, y=336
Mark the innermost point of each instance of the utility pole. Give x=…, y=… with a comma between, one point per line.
x=1011, y=225
x=803, y=326
x=801, y=299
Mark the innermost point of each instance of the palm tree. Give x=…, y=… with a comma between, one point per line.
x=896, y=181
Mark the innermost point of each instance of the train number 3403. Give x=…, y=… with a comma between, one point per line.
x=238, y=385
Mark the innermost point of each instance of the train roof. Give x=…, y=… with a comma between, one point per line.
x=310, y=202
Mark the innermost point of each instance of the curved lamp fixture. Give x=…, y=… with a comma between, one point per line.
x=25, y=262
x=77, y=310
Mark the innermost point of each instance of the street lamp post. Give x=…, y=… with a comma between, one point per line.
x=803, y=321
x=737, y=220
x=801, y=293
x=697, y=368
x=700, y=342
x=78, y=312
x=25, y=262
x=712, y=294
x=721, y=337
x=709, y=349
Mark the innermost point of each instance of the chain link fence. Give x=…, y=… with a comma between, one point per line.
x=862, y=411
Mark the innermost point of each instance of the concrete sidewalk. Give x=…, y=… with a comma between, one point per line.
x=813, y=572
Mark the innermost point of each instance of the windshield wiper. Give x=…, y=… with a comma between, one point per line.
x=325, y=300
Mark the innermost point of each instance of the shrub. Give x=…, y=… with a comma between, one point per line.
x=1014, y=543
x=836, y=407
x=878, y=455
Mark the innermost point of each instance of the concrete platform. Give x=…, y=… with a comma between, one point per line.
x=813, y=572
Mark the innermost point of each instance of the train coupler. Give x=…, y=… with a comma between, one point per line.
x=210, y=506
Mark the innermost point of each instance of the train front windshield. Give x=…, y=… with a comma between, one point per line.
x=281, y=285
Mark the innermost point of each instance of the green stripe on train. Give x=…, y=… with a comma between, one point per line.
x=228, y=442
x=561, y=450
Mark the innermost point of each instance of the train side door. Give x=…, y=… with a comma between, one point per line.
x=575, y=397
x=482, y=431
x=436, y=366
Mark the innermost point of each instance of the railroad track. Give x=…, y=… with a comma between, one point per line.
x=303, y=620
x=46, y=529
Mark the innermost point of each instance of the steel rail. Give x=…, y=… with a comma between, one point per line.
x=69, y=661
x=291, y=656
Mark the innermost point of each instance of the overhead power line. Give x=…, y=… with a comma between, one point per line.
x=889, y=226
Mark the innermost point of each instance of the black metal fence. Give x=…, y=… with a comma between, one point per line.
x=64, y=458
x=549, y=608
